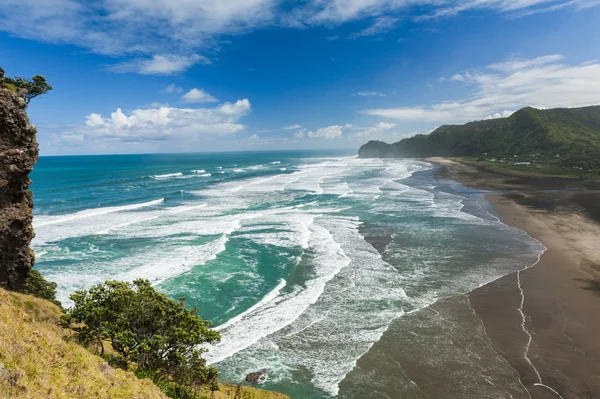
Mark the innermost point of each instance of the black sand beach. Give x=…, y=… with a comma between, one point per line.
x=531, y=334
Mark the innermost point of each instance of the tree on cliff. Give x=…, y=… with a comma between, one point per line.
x=28, y=88
x=157, y=334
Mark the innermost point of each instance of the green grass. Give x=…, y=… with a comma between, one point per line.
x=537, y=170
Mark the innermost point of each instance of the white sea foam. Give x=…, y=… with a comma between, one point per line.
x=283, y=169
x=199, y=171
x=239, y=170
x=50, y=220
x=179, y=260
x=206, y=175
x=186, y=208
x=119, y=226
x=275, y=163
x=285, y=308
x=266, y=299
x=159, y=177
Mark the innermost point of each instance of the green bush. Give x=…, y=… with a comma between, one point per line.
x=171, y=389
x=39, y=287
x=144, y=327
x=33, y=88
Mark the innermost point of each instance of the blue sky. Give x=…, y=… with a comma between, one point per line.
x=137, y=76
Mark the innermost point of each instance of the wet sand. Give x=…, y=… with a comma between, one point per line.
x=545, y=320
x=533, y=334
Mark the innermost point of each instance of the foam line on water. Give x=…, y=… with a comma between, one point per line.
x=166, y=176
x=107, y=231
x=186, y=208
x=199, y=171
x=50, y=220
x=266, y=299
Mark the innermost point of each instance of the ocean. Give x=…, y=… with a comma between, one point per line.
x=306, y=262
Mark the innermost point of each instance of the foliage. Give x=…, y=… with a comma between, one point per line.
x=39, y=287
x=146, y=328
x=171, y=389
x=32, y=88
x=563, y=138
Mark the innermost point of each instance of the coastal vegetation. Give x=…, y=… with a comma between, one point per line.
x=157, y=336
x=27, y=88
x=39, y=359
x=39, y=287
x=555, y=141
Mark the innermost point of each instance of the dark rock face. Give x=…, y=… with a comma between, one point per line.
x=18, y=154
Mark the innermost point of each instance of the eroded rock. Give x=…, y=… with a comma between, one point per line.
x=18, y=154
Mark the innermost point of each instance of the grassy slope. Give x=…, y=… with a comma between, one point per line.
x=42, y=364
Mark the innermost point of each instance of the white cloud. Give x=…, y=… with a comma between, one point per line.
x=369, y=94
x=254, y=137
x=163, y=124
x=292, y=127
x=167, y=29
x=172, y=89
x=502, y=88
x=300, y=134
x=515, y=65
x=381, y=25
x=198, y=96
x=329, y=133
x=381, y=131
x=160, y=64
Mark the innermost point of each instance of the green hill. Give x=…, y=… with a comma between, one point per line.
x=561, y=137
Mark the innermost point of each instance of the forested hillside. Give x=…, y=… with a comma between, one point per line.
x=560, y=137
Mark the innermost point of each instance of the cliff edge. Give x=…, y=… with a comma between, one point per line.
x=18, y=154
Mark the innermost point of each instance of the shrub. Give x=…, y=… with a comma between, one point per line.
x=32, y=88
x=144, y=327
x=171, y=389
x=38, y=286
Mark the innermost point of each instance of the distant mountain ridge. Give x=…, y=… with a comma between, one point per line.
x=566, y=136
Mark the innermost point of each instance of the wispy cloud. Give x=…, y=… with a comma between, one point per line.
x=198, y=96
x=328, y=133
x=160, y=64
x=369, y=94
x=381, y=25
x=169, y=35
x=172, y=89
x=504, y=87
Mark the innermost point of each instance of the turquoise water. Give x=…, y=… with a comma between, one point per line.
x=270, y=246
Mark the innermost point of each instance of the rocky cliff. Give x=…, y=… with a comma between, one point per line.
x=18, y=154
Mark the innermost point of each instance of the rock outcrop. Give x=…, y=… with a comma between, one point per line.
x=18, y=154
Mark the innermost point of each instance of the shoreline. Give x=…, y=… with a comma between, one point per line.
x=543, y=320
